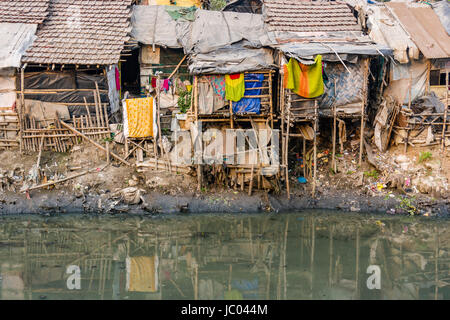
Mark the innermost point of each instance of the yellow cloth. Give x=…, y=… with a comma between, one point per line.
x=142, y=274
x=140, y=117
x=304, y=80
x=234, y=88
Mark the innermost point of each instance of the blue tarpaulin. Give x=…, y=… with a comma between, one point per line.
x=250, y=105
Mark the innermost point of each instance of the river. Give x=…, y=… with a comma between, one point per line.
x=308, y=255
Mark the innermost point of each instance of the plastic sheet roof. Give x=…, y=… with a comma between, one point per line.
x=15, y=38
x=153, y=25
x=306, y=51
x=231, y=59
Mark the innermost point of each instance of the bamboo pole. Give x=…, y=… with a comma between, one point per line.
x=93, y=142
x=88, y=112
x=99, y=99
x=22, y=106
x=286, y=147
x=315, y=149
x=445, y=118
x=97, y=114
x=62, y=180
x=177, y=67
x=333, y=162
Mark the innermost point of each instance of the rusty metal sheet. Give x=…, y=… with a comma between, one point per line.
x=424, y=27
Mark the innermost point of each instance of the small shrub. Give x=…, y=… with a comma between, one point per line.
x=373, y=173
x=424, y=156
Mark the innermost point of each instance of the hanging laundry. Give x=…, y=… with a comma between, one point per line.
x=142, y=274
x=250, y=105
x=234, y=86
x=153, y=81
x=165, y=85
x=139, y=118
x=304, y=80
x=218, y=84
x=208, y=100
x=117, y=79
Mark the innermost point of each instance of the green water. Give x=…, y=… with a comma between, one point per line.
x=310, y=255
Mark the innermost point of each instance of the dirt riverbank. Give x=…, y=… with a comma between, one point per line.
x=121, y=189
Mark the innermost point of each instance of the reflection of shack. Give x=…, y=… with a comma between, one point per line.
x=325, y=67
x=417, y=89
x=162, y=67
x=70, y=72
x=232, y=88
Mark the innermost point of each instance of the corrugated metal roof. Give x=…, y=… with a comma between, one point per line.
x=424, y=27
x=24, y=11
x=307, y=16
x=82, y=32
x=385, y=29
x=15, y=38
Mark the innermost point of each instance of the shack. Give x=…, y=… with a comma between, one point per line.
x=160, y=66
x=323, y=56
x=219, y=61
x=17, y=29
x=415, y=100
x=70, y=72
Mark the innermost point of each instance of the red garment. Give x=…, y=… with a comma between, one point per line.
x=154, y=82
x=235, y=76
x=117, y=79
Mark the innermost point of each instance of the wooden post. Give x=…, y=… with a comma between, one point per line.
x=99, y=98
x=363, y=106
x=315, y=148
x=333, y=161
x=251, y=183
x=445, y=116
x=409, y=107
x=97, y=113
x=286, y=147
x=108, y=160
x=21, y=110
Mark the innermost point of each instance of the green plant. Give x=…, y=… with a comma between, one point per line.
x=217, y=5
x=373, y=173
x=184, y=100
x=425, y=155
x=407, y=204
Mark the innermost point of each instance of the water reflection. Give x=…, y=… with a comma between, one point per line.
x=313, y=255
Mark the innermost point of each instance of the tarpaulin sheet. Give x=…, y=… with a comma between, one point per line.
x=398, y=87
x=212, y=30
x=113, y=92
x=15, y=38
x=231, y=59
x=349, y=86
x=442, y=9
x=153, y=25
x=250, y=105
x=347, y=51
x=65, y=80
